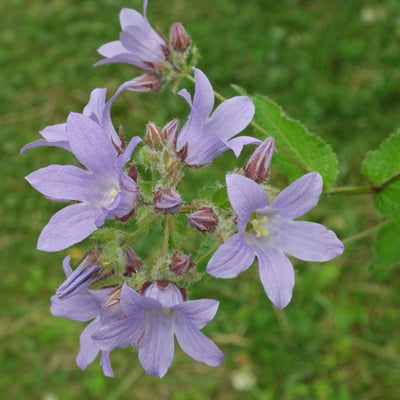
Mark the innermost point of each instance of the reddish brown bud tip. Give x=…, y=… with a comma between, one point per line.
x=145, y=286
x=257, y=168
x=170, y=132
x=113, y=300
x=133, y=263
x=153, y=137
x=180, y=40
x=204, y=220
x=150, y=82
x=180, y=263
x=167, y=201
x=132, y=172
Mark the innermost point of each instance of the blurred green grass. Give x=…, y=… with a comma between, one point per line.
x=332, y=65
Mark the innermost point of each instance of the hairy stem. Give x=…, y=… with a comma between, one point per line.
x=141, y=229
x=367, y=232
x=164, y=248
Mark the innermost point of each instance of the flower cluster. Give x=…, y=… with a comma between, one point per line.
x=144, y=304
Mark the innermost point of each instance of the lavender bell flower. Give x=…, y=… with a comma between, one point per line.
x=103, y=191
x=268, y=231
x=204, y=137
x=152, y=320
x=86, y=306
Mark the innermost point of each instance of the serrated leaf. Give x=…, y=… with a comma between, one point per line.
x=387, y=244
x=298, y=150
x=380, y=166
x=239, y=90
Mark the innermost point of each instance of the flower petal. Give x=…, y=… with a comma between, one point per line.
x=68, y=226
x=299, y=197
x=88, y=350
x=132, y=302
x=196, y=344
x=309, y=241
x=236, y=144
x=106, y=365
x=128, y=17
x=95, y=107
x=203, y=100
x=232, y=258
x=43, y=142
x=156, y=350
x=246, y=196
x=198, y=312
x=126, y=155
x=277, y=276
x=77, y=308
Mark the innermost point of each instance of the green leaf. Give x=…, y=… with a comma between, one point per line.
x=387, y=244
x=381, y=167
x=299, y=151
x=218, y=195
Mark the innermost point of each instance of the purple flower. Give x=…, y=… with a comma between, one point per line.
x=150, y=322
x=139, y=43
x=86, y=306
x=204, y=137
x=267, y=231
x=103, y=191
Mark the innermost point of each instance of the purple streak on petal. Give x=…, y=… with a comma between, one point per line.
x=67, y=227
x=231, y=117
x=132, y=302
x=77, y=308
x=88, y=350
x=245, y=196
x=89, y=144
x=198, y=312
x=309, y=241
x=299, y=197
x=106, y=365
x=156, y=351
x=62, y=182
x=203, y=100
x=197, y=345
x=232, y=258
x=277, y=276
x=236, y=144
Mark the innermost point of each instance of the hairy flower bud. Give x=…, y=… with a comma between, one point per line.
x=133, y=263
x=167, y=201
x=204, y=220
x=180, y=263
x=170, y=132
x=150, y=82
x=153, y=136
x=180, y=40
x=257, y=168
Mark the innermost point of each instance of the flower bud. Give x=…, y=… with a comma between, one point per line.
x=204, y=220
x=257, y=168
x=133, y=263
x=150, y=82
x=170, y=132
x=180, y=263
x=153, y=137
x=167, y=200
x=180, y=40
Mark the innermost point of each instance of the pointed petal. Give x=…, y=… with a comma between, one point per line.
x=68, y=226
x=299, y=197
x=88, y=350
x=89, y=144
x=43, y=142
x=309, y=241
x=126, y=155
x=124, y=57
x=62, y=182
x=277, y=276
x=231, y=117
x=132, y=302
x=198, y=312
x=197, y=345
x=66, y=266
x=203, y=100
x=232, y=258
x=78, y=308
x=156, y=350
x=246, y=196
x=106, y=365
x=95, y=107
x=236, y=144
x=128, y=17
x=55, y=133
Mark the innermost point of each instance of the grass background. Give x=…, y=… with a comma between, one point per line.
x=332, y=65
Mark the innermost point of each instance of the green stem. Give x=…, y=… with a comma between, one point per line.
x=351, y=189
x=164, y=248
x=141, y=229
x=206, y=254
x=367, y=232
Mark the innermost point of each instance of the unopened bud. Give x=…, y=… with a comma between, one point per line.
x=204, y=220
x=132, y=172
x=180, y=40
x=114, y=298
x=150, y=82
x=133, y=263
x=167, y=201
x=180, y=263
x=257, y=168
x=153, y=136
x=170, y=132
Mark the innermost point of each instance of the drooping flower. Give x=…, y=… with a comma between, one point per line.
x=151, y=321
x=85, y=306
x=103, y=191
x=205, y=136
x=268, y=231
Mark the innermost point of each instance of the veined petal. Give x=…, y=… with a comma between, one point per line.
x=68, y=226
x=126, y=155
x=88, y=350
x=95, y=107
x=66, y=266
x=232, y=258
x=309, y=241
x=90, y=145
x=156, y=350
x=231, y=117
x=124, y=57
x=236, y=144
x=245, y=196
x=43, y=142
x=112, y=49
x=128, y=17
x=106, y=365
x=62, y=182
x=132, y=302
x=299, y=197
x=203, y=100
x=77, y=308
x=55, y=133
x=198, y=312
x=197, y=345
x=277, y=276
